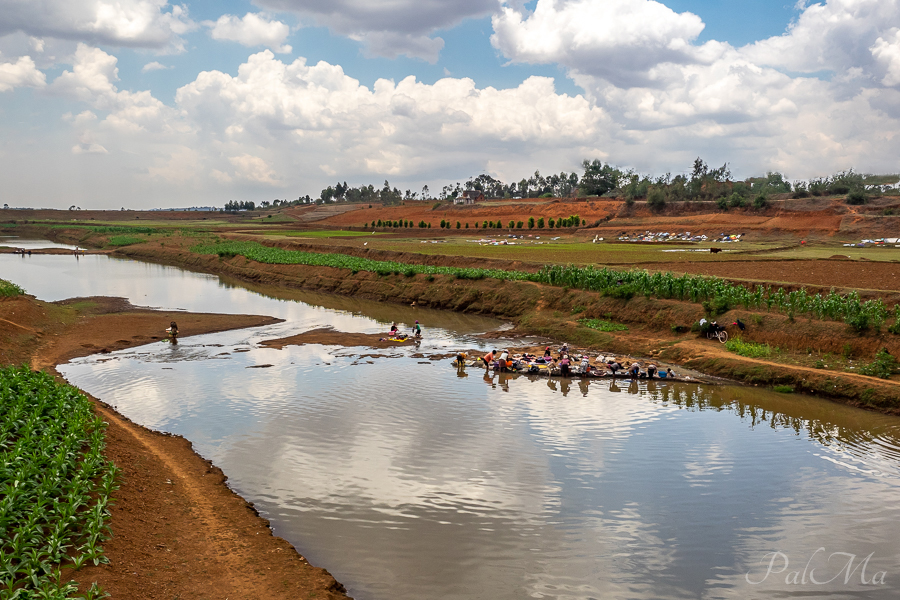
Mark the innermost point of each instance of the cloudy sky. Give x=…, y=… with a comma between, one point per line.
x=144, y=103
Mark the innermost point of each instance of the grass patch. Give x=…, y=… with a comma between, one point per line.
x=749, y=349
x=125, y=240
x=784, y=389
x=601, y=325
x=9, y=289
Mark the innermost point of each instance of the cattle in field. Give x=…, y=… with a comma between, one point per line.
x=715, y=250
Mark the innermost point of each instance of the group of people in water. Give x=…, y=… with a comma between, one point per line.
x=396, y=335
x=567, y=365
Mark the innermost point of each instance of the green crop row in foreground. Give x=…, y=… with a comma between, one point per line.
x=55, y=486
x=722, y=294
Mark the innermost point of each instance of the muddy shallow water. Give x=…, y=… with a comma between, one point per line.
x=409, y=479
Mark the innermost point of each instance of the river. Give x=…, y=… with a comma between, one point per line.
x=407, y=479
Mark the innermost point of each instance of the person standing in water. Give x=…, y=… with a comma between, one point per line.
x=172, y=331
x=417, y=330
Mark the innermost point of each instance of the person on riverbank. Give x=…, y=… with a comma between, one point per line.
x=634, y=370
x=614, y=366
x=488, y=358
x=502, y=361
x=651, y=370
x=394, y=329
x=172, y=330
x=564, y=364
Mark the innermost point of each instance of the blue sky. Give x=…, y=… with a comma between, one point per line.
x=148, y=103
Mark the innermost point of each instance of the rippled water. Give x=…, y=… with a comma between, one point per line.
x=409, y=479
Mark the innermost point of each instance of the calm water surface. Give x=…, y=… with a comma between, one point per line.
x=409, y=479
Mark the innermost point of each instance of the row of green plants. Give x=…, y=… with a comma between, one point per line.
x=55, y=486
x=264, y=254
x=716, y=294
x=9, y=289
x=850, y=308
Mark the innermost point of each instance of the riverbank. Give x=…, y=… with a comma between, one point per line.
x=655, y=328
x=178, y=530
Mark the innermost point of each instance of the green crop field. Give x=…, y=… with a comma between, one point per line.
x=320, y=234
x=578, y=252
x=55, y=485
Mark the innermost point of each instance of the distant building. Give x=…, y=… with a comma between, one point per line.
x=469, y=197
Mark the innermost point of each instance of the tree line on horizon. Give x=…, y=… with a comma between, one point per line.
x=599, y=179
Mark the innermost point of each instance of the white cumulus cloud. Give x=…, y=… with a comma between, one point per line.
x=388, y=27
x=154, y=66
x=21, y=73
x=136, y=23
x=834, y=36
x=618, y=40
x=886, y=50
x=253, y=29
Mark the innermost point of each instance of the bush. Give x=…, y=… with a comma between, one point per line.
x=883, y=365
x=722, y=203
x=512, y=224
x=859, y=321
x=760, y=202
x=530, y=222
x=857, y=197
x=622, y=292
x=656, y=199
x=519, y=225
x=458, y=225
x=552, y=224
x=540, y=223
x=736, y=201
x=716, y=306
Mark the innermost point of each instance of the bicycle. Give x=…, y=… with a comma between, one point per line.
x=718, y=334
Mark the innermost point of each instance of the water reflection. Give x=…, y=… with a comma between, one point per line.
x=422, y=480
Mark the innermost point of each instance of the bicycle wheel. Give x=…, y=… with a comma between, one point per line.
x=723, y=336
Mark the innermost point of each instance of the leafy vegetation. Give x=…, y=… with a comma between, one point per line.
x=849, y=308
x=9, y=290
x=601, y=325
x=55, y=485
x=749, y=349
x=883, y=365
x=784, y=389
